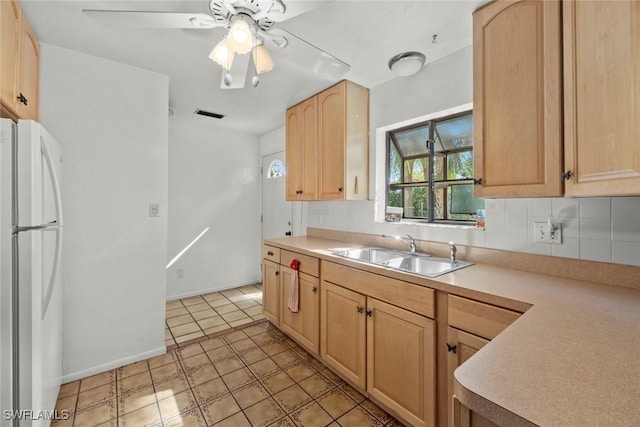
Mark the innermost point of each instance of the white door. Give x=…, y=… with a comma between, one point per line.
x=277, y=213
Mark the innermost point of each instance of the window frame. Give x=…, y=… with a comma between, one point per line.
x=430, y=185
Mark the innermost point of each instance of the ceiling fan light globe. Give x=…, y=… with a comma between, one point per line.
x=240, y=36
x=262, y=59
x=222, y=54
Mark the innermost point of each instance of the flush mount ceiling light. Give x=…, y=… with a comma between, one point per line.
x=406, y=63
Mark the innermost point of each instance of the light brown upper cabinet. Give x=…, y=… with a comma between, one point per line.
x=343, y=141
x=302, y=151
x=19, y=61
x=523, y=98
x=517, y=99
x=602, y=97
x=328, y=145
x=10, y=28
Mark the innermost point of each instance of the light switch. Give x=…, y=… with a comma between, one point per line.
x=154, y=209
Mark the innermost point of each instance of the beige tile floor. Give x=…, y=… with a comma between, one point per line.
x=253, y=375
x=194, y=317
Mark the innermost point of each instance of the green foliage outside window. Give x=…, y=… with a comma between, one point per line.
x=408, y=165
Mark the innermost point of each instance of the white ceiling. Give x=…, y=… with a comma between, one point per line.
x=364, y=34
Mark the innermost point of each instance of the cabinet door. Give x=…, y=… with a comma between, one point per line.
x=401, y=361
x=294, y=152
x=29, y=71
x=602, y=89
x=271, y=291
x=463, y=417
x=302, y=155
x=517, y=99
x=10, y=31
x=331, y=142
x=305, y=324
x=342, y=332
x=461, y=346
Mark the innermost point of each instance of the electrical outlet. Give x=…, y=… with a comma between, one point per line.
x=180, y=273
x=543, y=232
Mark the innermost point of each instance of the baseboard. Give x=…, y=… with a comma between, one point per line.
x=66, y=378
x=206, y=291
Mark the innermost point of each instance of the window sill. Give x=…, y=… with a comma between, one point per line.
x=420, y=223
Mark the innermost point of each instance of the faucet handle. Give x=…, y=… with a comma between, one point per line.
x=452, y=251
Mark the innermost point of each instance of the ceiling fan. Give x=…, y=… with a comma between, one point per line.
x=250, y=25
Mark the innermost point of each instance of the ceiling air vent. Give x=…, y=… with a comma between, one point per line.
x=209, y=114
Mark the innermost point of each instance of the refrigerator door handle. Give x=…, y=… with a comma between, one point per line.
x=54, y=270
x=54, y=225
x=54, y=180
x=51, y=225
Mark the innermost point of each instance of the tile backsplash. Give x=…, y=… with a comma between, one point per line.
x=595, y=229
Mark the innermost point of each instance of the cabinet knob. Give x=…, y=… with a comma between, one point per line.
x=340, y=189
x=452, y=348
x=566, y=176
x=369, y=313
x=315, y=289
x=288, y=233
x=360, y=309
x=277, y=273
x=270, y=253
x=477, y=181
x=22, y=99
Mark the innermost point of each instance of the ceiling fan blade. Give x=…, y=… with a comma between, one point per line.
x=298, y=8
x=306, y=55
x=141, y=19
x=238, y=72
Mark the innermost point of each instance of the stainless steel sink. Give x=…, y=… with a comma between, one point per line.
x=430, y=267
x=421, y=264
x=372, y=255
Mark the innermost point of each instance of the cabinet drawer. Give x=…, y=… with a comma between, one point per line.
x=271, y=253
x=308, y=264
x=479, y=318
x=407, y=295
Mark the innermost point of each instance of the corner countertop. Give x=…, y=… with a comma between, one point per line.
x=572, y=359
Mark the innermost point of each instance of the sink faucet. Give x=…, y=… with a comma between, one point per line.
x=411, y=243
x=452, y=252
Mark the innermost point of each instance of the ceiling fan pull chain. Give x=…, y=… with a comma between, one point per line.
x=227, y=78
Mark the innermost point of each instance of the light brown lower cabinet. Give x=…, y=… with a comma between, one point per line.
x=271, y=291
x=401, y=361
x=343, y=332
x=464, y=417
x=461, y=346
x=303, y=325
x=384, y=349
x=472, y=324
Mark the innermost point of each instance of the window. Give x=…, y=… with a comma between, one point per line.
x=430, y=170
x=276, y=169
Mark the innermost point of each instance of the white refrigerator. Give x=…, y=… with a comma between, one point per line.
x=30, y=273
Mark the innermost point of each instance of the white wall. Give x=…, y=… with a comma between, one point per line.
x=214, y=183
x=605, y=229
x=111, y=120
